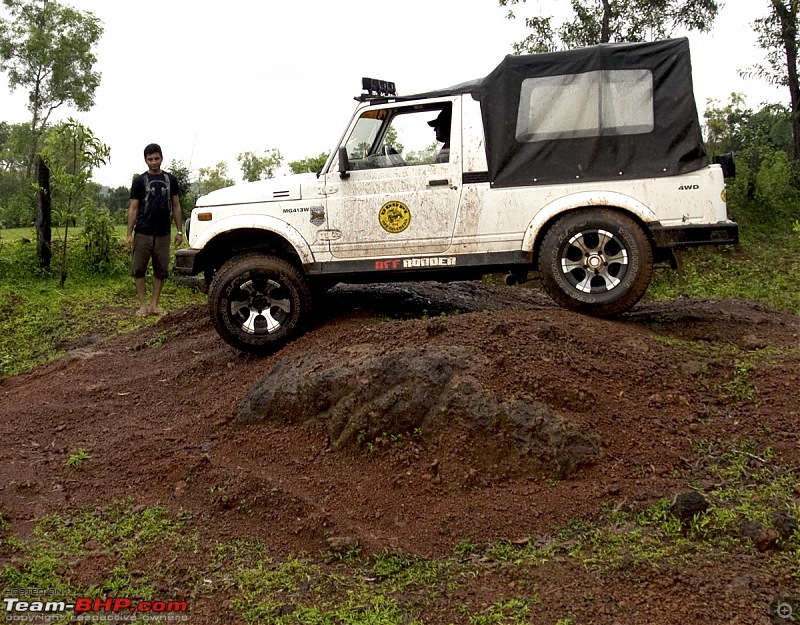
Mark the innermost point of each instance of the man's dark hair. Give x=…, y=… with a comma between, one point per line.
x=153, y=148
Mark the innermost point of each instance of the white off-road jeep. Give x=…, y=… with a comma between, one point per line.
x=585, y=165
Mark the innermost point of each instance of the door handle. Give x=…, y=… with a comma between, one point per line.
x=441, y=182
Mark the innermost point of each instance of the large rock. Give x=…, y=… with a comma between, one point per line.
x=367, y=392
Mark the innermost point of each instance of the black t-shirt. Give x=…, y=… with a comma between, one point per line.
x=155, y=202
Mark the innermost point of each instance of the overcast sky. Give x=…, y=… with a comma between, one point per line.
x=209, y=80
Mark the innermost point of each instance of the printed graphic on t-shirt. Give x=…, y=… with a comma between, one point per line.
x=154, y=205
x=156, y=194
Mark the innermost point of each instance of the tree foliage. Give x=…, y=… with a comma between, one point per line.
x=733, y=127
x=313, y=164
x=15, y=140
x=47, y=49
x=16, y=197
x=72, y=153
x=607, y=21
x=256, y=167
x=776, y=35
x=212, y=178
x=762, y=196
x=188, y=190
x=117, y=202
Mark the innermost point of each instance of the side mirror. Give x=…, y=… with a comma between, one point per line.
x=728, y=164
x=344, y=163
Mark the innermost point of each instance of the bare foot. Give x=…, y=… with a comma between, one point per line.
x=155, y=310
x=141, y=312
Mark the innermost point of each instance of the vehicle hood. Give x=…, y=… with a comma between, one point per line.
x=270, y=190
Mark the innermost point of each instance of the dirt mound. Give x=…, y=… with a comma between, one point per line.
x=410, y=417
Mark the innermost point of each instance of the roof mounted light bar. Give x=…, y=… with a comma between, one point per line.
x=376, y=89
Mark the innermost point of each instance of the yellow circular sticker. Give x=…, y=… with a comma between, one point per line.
x=394, y=216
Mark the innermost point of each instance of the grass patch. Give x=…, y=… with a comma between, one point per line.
x=120, y=532
x=147, y=548
x=38, y=315
x=760, y=268
x=162, y=337
x=503, y=612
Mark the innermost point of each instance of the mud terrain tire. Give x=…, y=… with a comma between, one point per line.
x=258, y=302
x=597, y=262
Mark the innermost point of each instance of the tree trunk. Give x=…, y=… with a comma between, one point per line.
x=753, y=173
x=43, y=214
x=788, y=18
x=605, y=28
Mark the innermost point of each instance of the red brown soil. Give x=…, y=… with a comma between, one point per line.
x=157, y=409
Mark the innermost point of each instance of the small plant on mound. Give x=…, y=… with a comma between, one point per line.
x=77, y=457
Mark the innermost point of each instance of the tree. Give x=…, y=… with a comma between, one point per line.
x=425, y=156
x=735, y=128
x=606, y=21
x=764, y=190
x=72, y=152
x=188, y=189
x=726, y=125
x=47, y=48
x=16, y=197
x=259, y=167
x=313, y=164
x=212, y=178
x=778, y=37
x=15, y=140
x=117, y=202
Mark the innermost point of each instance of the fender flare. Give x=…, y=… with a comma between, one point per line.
x=586, y=199
x=266, y=223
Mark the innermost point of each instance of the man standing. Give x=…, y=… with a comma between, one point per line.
x=154, y=195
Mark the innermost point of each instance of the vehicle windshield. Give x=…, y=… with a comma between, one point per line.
x=362, y=139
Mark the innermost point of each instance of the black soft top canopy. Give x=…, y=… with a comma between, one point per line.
x=613, y=111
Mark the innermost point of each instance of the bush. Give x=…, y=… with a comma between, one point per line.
x=18, y=259
x=18, y=212
x=102, y=250
x=766, y=199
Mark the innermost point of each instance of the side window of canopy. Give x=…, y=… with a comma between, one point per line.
x=592, y=104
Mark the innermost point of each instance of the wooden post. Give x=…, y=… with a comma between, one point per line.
x=753, y=173
x=43, y=214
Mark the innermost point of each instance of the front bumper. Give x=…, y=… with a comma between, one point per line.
x=186, y=262
x=721, y=233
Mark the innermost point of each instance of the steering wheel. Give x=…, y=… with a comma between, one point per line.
x=393, y=154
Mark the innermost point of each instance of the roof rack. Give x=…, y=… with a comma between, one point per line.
x=376, y=89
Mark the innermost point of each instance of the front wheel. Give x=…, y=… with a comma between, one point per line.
x=258, y=302
x=596, y=261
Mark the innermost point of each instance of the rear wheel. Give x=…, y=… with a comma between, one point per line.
x=596, y=261
x=259, y=302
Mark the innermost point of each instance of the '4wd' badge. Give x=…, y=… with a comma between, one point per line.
x=394, y=216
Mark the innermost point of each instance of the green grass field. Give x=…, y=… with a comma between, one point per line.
x=37, y=312
x=12, y=235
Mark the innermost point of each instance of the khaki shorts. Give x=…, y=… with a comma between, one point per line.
x=145, y=247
